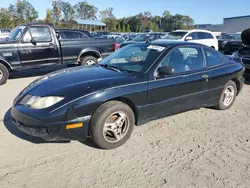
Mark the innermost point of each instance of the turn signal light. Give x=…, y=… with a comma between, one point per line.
x=74, y=126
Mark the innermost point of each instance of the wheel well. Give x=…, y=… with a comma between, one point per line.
x=5, y=64
x=213, y=47
x=236, y=81
x=90, y=53
x=130, y=104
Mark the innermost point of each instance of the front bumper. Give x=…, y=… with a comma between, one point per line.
x=55, y=131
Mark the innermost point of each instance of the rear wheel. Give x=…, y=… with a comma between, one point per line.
x=4, y=74
x=112, y=124
x=88, y=61
x=228, y=96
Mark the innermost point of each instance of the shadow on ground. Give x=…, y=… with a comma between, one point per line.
x=15, y=131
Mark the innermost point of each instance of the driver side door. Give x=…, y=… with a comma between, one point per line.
x=43, y=51
x=185, y=89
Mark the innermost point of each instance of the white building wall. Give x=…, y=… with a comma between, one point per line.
x=232, y=25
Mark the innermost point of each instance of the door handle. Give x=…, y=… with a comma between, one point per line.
x=205, y=76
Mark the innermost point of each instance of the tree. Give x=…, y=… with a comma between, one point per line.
x=68, y=11
x=128, y=28
x=84, y=10
x=22, y=11
x=123, y=29
x=49, y=16
x=57, y=8
x=5, y=18
x=107, y=13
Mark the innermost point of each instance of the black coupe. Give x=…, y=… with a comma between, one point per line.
x=136, y=84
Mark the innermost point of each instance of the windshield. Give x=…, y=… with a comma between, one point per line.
x=141, y=38
x=133, y=58
x=16, y=33
x=175, y=35
x=237, y=37
x=226, y=37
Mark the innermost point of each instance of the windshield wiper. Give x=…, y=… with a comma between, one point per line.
x=110, y=67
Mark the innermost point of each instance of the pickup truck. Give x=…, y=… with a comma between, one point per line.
x=37, y=45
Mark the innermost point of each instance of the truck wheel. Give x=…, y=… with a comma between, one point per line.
x=228, y=96
x=88, y=61
x=112, y=124
x=4, y=74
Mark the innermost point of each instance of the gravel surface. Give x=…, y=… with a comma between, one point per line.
x=201, y=148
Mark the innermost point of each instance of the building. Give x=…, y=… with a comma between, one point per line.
x=230, y=25
x=210, y=27
x=236, y=24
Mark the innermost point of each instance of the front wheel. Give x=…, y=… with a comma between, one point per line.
x=228, y=96
x=4, y=74
x=112, y=124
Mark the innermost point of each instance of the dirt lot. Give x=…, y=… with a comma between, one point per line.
x=201, y=148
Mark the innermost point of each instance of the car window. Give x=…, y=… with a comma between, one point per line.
x=183, y=59
x=27, y=37
x=72, y=35
x=42, y=33
x=134, y=58
x=213, y=57
x=203, y=35
x=5, y=31
x=194, y=36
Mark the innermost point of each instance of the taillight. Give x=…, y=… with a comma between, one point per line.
x=116, y=46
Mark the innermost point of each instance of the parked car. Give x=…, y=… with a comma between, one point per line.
x=243, y=54
x=101, y=33
x=223, y=40
x=143, y=38
x=73, y=34
x=136, y=84
x=198, y=36
x=233, y=45
x=37, y=45
x=4, y=33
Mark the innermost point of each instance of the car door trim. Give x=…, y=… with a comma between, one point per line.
x=37, y=60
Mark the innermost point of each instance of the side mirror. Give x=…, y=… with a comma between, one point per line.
x=33, y=40
x=57, y=35
x=166, y=70
x=189, y=38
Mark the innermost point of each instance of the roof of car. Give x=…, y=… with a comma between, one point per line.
x=193, y=30
x=167, y=43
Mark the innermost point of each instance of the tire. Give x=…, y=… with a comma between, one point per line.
x=4, y=74
x=110, y=111
x=223, y=104
x=88, y=61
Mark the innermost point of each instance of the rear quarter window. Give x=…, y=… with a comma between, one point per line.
x=213, y=57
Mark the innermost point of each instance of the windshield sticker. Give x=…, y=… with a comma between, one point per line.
x=158, y=48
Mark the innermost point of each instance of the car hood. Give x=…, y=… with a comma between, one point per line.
x=74, y=82
x=245, y=36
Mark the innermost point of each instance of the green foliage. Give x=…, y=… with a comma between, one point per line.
x=63, y=14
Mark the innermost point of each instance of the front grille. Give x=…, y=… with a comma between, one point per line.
x=246, y=60
x=25, y=99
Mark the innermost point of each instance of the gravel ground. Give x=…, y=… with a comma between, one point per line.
x=200, y=148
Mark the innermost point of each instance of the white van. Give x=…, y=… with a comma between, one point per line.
x=197, y=36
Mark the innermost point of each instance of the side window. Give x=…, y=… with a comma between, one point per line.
x=183, y=59
x=213, y=57
x=27, y=37
x=42, y=33
x=203, y=35
x=81, y=35
x=194, y=36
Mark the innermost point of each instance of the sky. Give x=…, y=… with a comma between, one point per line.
x=202, y=11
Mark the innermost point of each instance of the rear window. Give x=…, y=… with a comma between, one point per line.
x=72, y=35
x=213, y=57
x=5, y=31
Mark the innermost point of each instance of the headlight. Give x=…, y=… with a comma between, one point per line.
x=43, y=102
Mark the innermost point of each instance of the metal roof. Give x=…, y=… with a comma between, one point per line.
x=247, y=16
x=90, y=22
